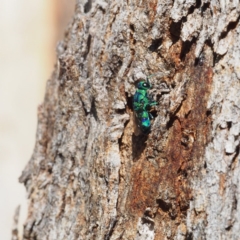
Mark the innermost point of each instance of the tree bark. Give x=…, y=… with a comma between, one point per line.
x=91, y=176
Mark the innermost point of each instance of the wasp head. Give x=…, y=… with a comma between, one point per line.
x=144, y=85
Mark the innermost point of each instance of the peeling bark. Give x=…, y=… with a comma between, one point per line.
x=90, y=176
x=15, y=233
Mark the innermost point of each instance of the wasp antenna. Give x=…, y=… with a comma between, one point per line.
x=148, y=81
x=148, y=78
x=151, y=75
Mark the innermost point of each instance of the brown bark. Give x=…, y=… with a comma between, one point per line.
x=90, y=176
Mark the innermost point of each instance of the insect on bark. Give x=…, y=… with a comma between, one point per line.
x=142, y=104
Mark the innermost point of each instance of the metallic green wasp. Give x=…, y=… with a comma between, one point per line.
x=142, y=104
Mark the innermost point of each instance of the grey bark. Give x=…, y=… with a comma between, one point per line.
x=91, y=176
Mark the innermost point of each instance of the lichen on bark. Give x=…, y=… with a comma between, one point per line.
x=90, y=176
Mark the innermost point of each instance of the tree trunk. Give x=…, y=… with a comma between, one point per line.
x=91, y=176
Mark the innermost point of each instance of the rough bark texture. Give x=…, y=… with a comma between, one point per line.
x=90, y=176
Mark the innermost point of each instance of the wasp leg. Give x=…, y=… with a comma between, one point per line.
x=150, y=116
x=153, y=103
